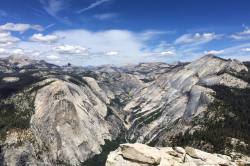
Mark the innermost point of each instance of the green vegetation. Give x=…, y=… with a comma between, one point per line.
x=15, y=112
x=244, y=75
x=100, y=159
x=60, y=94
x=36, y=88
x=9, y=88
x=16, y=102
x=227, y=117
x=153, y=116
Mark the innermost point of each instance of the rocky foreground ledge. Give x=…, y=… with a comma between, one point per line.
x=143, y=155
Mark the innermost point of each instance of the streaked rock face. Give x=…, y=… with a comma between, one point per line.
x=178, y=95
x=143, y=155
x=76, y=110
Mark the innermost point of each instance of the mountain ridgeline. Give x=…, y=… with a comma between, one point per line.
x=53, y=115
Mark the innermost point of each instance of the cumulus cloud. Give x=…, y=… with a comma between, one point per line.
x=71, y=49
x=98, y=47
x=7, y=39
x=123, y=41
x=105, y=16
x=44, y=38
x=197, y=38
x=92, y=5
x=110, y=46
x=113, y=46
x=18, y=27
x=214, y=52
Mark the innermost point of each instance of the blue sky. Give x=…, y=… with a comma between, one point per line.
x=96, y=32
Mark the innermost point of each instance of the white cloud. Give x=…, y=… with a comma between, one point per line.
x=71, y=49
x=44, y=38
x=92, y=5
x=112, y=53
x=3, y=51
x=111, y=46
x=167, y=53
x=15, y=51
x=240, y=37
x=245, y=32
x=7, y=39
x=123, y=41
x=197, y=38
x=236, y=52
x=52, y=7
x=246, y=49
x=105, y=16
x=53, y=57
x=20, y=27
x=244, y=35
x=162, y=51
x=98, y=47
x=35, y=49
x=214, y=52
x=18, y=51
x=163, y=54
x=50, y=25
x=149, y=34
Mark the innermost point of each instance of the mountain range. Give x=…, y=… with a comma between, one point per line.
x=69, y=115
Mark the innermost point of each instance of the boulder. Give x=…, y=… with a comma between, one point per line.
x=141, y=155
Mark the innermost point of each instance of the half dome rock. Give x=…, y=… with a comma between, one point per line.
x=69, y=122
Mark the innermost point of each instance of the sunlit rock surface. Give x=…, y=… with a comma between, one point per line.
x=180, y=95
x=143, y=155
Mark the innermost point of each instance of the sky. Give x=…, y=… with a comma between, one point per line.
x=119, y=32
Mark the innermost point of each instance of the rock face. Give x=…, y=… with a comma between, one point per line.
x=177, y=96
x=69, y=122
x=143, y=155
x=67, y=115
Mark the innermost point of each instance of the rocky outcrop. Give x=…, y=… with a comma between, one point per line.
x=143, y=155
x=224, y=79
